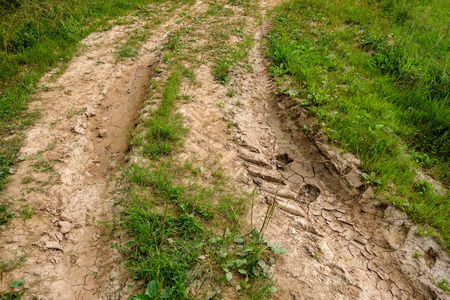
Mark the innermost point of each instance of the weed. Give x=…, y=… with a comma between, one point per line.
x=27, y=211
x=371, y=178
x=232, y=124
x=442, y=283
x=217, y=8
x=164, y=127
x=127, y=51
x=230, y=92
x=45, y=87
x=222, y=72
x=417, y=254
x=131, y=47
x=43, y=165
x=5, y=214
x=73, y=112
x=16, y=289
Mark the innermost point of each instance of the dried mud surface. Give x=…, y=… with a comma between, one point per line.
x=342, y=242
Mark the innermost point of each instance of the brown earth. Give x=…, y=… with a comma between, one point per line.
x=343, y=243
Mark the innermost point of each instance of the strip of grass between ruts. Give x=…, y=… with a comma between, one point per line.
x=374, y=72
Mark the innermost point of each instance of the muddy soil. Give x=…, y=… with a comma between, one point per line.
x=342, y=242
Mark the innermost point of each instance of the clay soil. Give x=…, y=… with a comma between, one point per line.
x=343, y=243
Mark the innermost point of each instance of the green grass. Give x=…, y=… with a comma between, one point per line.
x=132, y=46
x=228, y=57
x=375, y=74
x=164, y=129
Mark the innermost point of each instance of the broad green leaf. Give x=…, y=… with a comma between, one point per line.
x=151, y=288
x=239, y=239
x=229, y=276
x=277, y=249
x=242, y=271
x=16, y=283
x=262, y=264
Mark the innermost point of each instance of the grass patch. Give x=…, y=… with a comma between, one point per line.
x=132, y=46
x=164, y=129
x=228, y=56
x=374, y=72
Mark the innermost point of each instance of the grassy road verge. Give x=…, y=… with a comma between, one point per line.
x=375, y=74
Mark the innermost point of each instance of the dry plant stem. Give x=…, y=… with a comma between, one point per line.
x=270, y=211
x=164, y=221
x=234, y=214
x=160, y=287
x=251, y=212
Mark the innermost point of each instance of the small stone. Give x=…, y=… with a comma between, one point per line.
x=58, y=235
x=354, y=178
x=78, y=129
x=52, y=245
x=65, y=226
x=202, y=257
x=102, y=133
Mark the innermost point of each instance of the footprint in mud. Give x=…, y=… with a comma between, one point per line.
x=311, y=192
x=283, y=160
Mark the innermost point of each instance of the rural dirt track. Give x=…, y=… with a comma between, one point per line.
x=342, y=242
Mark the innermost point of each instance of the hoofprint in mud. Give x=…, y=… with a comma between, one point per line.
x=342, y=244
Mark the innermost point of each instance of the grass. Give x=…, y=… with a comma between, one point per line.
x=164, y=129
x=375, y=75
x=132, y=46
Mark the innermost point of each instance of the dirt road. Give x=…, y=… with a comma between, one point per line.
x=343, y=243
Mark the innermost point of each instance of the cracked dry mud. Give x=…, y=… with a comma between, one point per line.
x=342, y=242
